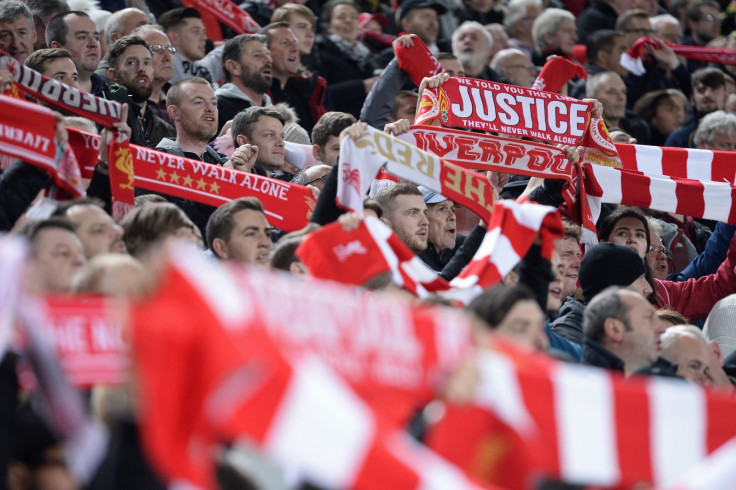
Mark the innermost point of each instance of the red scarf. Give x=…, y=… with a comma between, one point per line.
x=28, y=132
x=228, y=13
x=556, y=73
x=505, y=109
x=632, y=58
x=105, y=112
x=418, y=61
x=288, y=206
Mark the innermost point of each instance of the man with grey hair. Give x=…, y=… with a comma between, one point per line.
x=17, y=34
x=716, y=131
x=518, y=21
x=609, y=88
x=553, y=33
x=247, y=65
x=119, y=24
x=514, y=65
x=43, y=10
x=686, y=346
x=163, y=67
x=622, y=332
x=471, y=44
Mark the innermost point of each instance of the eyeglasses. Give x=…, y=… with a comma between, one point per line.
x=710, y=18
x=160, y=48
x=660, y=251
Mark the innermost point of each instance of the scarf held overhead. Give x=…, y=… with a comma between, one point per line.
x=507, y=109
x=104, y=112
x=287, y=206
x=360, y=162
x=28, y=132
x=228, y=13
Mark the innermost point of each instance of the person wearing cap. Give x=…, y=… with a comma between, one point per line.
x=622, y=334
x=606, y=264
x=442, y=239
x=420, y=17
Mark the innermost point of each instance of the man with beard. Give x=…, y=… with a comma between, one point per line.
x=305, y=94
x=472, y=44
x=246, y=63
x=405, y=212
x=163, y=67
x=131, y=66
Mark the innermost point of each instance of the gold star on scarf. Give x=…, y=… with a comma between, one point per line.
x=214, y=187
x=160, y=174
x=188, y=181
x=174, y=177
x=201, y=184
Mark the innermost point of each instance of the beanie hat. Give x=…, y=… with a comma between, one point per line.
x=296, y=134
x=608, y=264
x=351, y=257
x=721, y=324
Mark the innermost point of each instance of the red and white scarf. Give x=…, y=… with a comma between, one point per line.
x=581, y=425
x=631, y=59
x=105, y=112
x=288, y=206
x=28, y=132
x=259, y=378
x=418, y=61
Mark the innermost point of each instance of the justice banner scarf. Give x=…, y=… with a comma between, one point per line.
x=496, y=107
x=104, y=112
x=631, y=59
x=228, y=13
x=288, y=206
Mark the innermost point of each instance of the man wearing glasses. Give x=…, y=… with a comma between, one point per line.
x=702, y=24
x=163, y=67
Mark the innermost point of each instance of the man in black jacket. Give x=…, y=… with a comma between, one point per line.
x=621, y=331
x=131, y=66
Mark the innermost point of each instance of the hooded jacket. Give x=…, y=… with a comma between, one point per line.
x=231, y=100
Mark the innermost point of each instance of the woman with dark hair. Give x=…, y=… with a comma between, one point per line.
x=664, y=111
x=693, y=297
x=345, y=62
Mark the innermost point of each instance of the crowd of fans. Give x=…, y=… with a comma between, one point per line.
x=652, y=298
